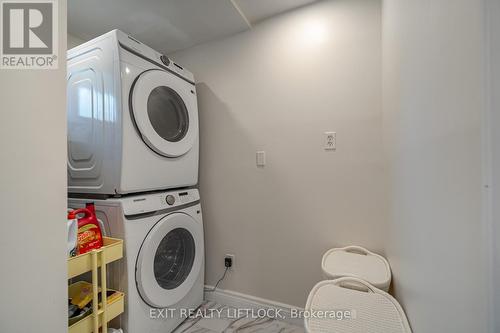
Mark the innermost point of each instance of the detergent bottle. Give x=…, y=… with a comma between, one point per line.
x=89, y=233
x=72, y=231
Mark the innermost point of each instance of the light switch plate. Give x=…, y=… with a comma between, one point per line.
x=261, y=158
x=330, y=140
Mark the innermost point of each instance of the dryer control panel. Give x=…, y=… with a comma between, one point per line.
x=149, y=203
x=133, y=45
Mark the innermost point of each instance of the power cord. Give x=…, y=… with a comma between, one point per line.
x=217, y=284
x=228, y=263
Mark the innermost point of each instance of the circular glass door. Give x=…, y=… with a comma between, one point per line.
x=174, y=258
x=168, y=114
x=170, y=260
x=164, y=109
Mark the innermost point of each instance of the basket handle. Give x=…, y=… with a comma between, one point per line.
x=83, y=211
x=356, y=249
x=354, y=284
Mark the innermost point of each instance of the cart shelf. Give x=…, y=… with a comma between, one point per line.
x=106, y=310
x=83, y=263
x=114, y=309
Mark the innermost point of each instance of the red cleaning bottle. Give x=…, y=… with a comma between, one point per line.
x=89, y=232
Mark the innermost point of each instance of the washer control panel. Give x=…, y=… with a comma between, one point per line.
x=147, y=203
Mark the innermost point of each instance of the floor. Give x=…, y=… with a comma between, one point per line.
x=220, y=318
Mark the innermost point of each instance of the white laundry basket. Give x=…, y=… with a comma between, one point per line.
x=369, y=309
x=358, y=262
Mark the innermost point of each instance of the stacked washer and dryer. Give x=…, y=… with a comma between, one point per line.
x=133, y=150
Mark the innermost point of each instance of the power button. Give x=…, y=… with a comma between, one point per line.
x=170, y=199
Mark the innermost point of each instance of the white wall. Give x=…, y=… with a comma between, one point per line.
x=277, y=88
x=493, y=7
x=74, y=41
x=433, y=104
x=33, y=286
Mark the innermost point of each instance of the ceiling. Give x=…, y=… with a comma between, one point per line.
x=171, y=25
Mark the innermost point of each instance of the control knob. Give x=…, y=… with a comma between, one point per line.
x=164, y=59
x=170, y=199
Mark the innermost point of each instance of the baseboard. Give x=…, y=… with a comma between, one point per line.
x=244, y=301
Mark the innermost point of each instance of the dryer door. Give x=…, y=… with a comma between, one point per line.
x=170, y=260
x=164, y=109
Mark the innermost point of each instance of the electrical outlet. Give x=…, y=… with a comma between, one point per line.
x=229, y=256
x=330, y=140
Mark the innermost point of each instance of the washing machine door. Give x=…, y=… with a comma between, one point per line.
x=165, y=112
x=170, y=260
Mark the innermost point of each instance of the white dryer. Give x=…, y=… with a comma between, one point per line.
x=132, y=119
x=163, y=266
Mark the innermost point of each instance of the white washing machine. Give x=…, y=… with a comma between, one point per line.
x=132, y=119
x=163, y=267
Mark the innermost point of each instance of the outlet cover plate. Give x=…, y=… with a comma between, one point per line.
x=330, y=141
